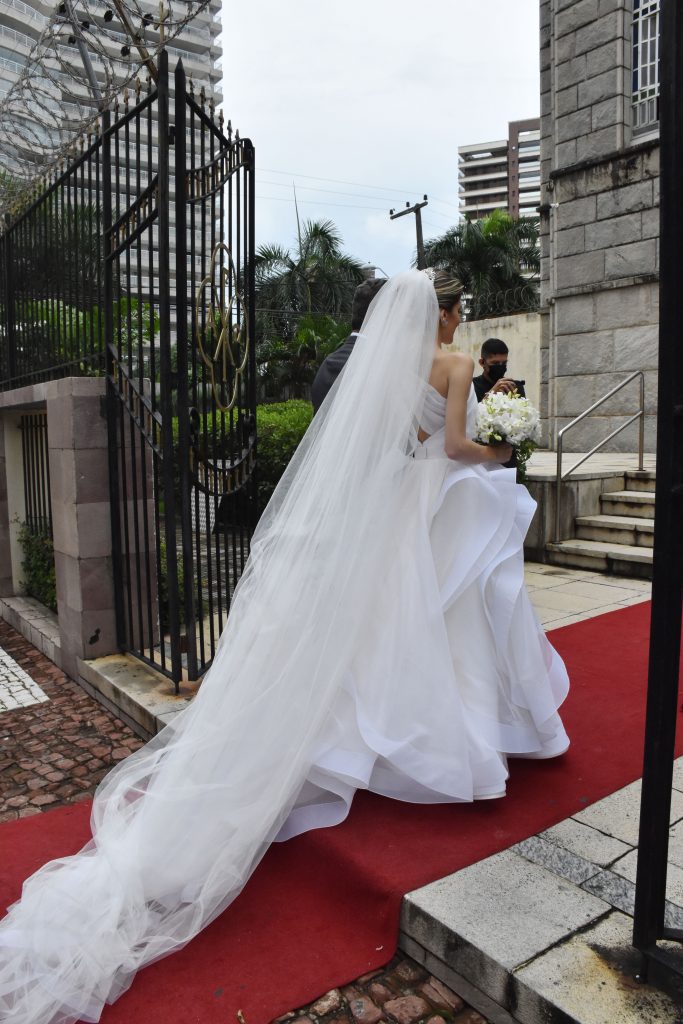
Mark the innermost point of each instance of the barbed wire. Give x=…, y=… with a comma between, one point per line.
x=486, y=303
x=85, y=56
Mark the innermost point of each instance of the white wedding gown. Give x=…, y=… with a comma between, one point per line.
x=453, y=672
x=381, y=637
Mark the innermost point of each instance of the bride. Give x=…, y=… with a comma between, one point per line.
x=380, y=637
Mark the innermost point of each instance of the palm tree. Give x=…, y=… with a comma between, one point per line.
x=317, y=277
x=497, y=259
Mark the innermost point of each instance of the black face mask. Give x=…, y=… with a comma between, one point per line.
x=497, y=371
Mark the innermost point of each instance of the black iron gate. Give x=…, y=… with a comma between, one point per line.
x=179, y=295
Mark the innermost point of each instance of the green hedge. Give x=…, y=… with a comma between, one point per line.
x=38, y=566
x=280, y=427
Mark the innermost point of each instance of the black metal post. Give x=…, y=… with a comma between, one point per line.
x=182, y=315
x=10, y=334
x=111, y=370
x=667, y=580
x=251, y=321
x=165, y=365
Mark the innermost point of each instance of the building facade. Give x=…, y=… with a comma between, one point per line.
x=22, y=21
x=503, y=175
x=599, y=214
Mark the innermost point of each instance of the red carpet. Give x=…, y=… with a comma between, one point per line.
x=322, y=909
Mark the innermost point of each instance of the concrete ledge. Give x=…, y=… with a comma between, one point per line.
x=130, y=689
x=36, y=623
x=133, y=691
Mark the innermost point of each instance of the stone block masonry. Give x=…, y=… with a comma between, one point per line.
x=79, y=479
x=599, y=223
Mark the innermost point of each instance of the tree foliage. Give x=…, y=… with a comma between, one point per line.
x=303, y=307
x=497, y=259
x=315, y=277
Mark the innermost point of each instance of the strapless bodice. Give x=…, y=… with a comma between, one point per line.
x=433, y=416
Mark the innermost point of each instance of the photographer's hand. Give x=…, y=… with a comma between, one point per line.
x=506, y=385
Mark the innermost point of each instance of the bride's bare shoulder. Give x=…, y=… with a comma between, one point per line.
x=455, y=363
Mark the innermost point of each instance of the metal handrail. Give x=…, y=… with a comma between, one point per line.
x=560, y=476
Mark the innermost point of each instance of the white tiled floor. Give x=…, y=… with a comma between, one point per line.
x=562, y=596
x=17, y=689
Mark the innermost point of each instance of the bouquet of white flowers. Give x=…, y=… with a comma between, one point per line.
x=510, y=418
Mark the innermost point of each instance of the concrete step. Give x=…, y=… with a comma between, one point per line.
x=644, y=481
x=543, y=931
x=628, y=503
x=600, y=556
x=629, y=530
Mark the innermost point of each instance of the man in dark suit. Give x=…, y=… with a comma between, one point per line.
x=494, y=363
x=331, y=367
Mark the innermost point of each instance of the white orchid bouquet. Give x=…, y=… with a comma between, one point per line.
x=511, y=418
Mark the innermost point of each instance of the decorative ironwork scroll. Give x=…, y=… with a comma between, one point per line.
x=230, y=353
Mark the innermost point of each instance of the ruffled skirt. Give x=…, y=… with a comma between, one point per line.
x=453, y=672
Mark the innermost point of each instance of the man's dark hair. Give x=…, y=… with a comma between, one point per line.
x=493, y=347
x=362, y=297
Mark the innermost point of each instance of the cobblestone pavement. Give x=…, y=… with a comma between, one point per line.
x=400, y=993
x=57, y=743
x=56, y=751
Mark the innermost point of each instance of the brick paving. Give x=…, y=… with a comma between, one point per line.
x=56, y=752
x=400, y=993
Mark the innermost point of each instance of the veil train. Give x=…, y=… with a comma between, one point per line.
x=180, y=825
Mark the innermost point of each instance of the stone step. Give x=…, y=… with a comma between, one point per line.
x=645, y=481
x=628, y=503
x=629, y=530
x=543, y=931
x=600, y=556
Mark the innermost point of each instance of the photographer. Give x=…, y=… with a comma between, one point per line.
x=494, y=364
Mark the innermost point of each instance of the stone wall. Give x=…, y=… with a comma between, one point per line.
x=78, y=454
x=599, y=225
x=521, y=332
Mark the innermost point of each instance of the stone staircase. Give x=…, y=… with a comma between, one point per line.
x=620, y=537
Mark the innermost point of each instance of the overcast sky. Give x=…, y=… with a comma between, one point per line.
x=377, y=95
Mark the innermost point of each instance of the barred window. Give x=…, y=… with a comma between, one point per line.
x=645, y=38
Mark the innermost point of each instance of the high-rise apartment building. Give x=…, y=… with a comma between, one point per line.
x=502, y=175
x=22, y=21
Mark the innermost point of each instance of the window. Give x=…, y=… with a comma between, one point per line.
x=645, y=39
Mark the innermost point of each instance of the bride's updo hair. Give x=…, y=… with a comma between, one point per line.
x=448, y=289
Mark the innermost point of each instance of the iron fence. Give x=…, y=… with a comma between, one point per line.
x=181, y=371
x=36, y=466
x=51, y=314
x=136, y=262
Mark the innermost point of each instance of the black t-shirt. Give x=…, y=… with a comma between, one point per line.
x=482, y=386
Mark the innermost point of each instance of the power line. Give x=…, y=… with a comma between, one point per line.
x=330, y=191
x=342, y=181
x=323, y=202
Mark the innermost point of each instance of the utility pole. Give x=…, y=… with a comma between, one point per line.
x=421, y=260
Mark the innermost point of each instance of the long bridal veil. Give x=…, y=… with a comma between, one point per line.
x=180, y=825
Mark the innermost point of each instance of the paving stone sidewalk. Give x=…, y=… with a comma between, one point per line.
x=54, y=748
x=403, y=992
